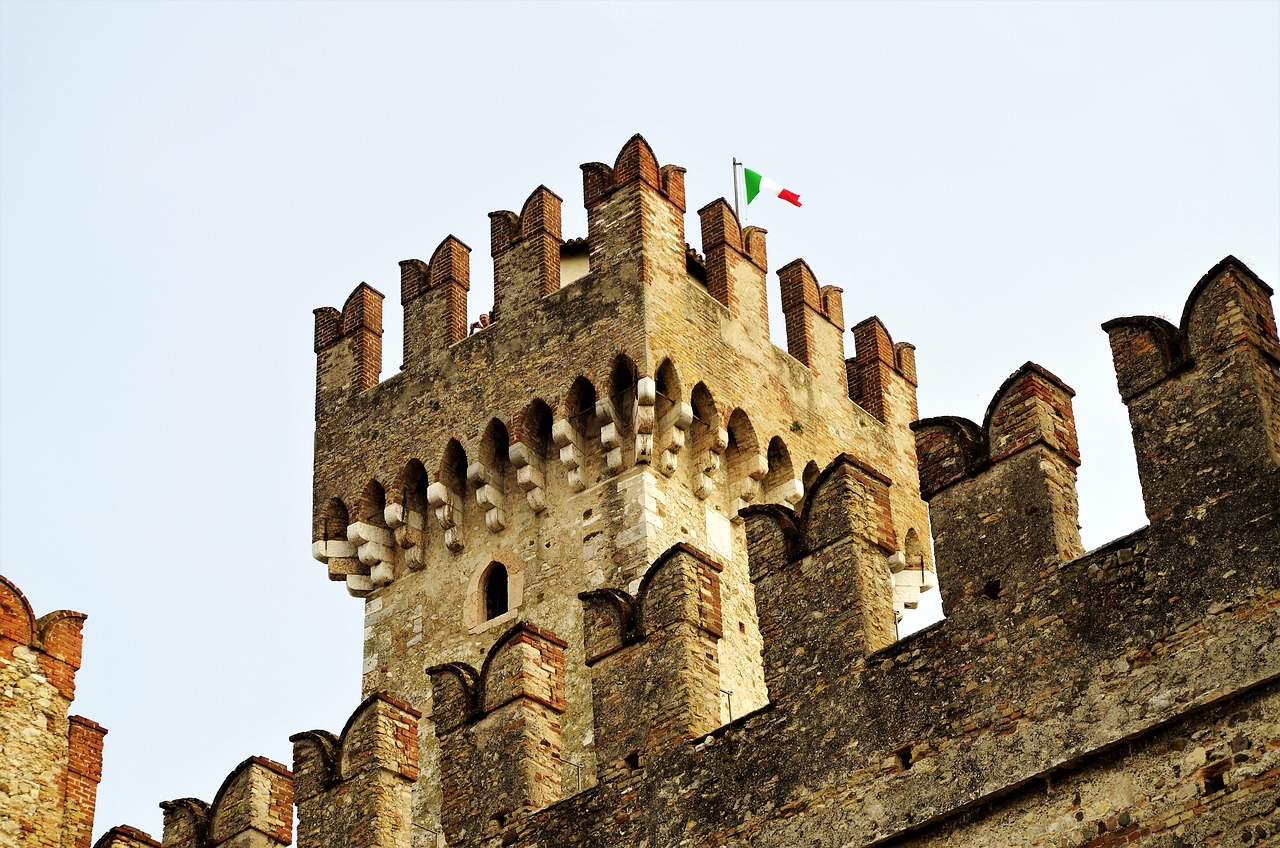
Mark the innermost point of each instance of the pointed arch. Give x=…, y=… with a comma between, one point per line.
x=453, y=467
x=743, y=453
x=495, y=450
x=534, y=430
x=334, y=520
x=372, y=505
x=779, y=482
x=706, y=418
x=811, y=472
x=580, y=408
x=622, y=391
x=413, y=488
x=667, y=388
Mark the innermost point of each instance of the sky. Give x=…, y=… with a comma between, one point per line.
x=182, y=183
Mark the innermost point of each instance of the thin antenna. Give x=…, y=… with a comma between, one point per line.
x=736, y=166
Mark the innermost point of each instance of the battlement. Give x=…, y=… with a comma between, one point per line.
x=1203, y=397
x=353, y=789
x=649, y=356
x=635, y=240
x=641, y=570
x=39, y=658
x=124, y=836
x=253, y=808
x=1002, y=496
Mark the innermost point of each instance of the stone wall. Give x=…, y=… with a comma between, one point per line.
x=50, y=762
x=658, y=555
x=590, y=427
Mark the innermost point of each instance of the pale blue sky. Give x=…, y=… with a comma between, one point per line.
x=182, y=183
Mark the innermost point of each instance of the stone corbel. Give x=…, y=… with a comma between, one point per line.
x=643, y=420
x=709, y=464
x=339, y=555
x=674, y=427
x=569, y=442
x=359, y=585
x=610, y=433
x=447, y=505
x=789, y=492
x=529, y=477
x=748, y=488
x=408, y=527
x=373, y=549
x=488, y=483
x=908, y=583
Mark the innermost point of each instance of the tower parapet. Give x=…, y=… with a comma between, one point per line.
x=736, y=262
x=526, y=253
x=348, y=346
x=434, y=297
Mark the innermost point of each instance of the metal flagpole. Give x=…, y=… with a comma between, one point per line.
x=736, y=165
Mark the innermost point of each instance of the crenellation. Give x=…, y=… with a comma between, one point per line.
x=827, y=563
x=348, y=347
x=434, y=297
x=1203, y=397
x=882, y=371
x=50, y=761
x=353, y=790
x=526, y=253
x=635, y=216
x=686, y=630
x=124, y=836
x=84, y=772
x=654, y=661
x=736, y=263
x=252, y=809
x=500, y=732
x=1002, y=496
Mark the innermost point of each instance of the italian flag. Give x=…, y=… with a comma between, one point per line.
x=758, y=183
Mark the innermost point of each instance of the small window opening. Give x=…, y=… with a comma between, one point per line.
x=902, y=755
x=495, y=591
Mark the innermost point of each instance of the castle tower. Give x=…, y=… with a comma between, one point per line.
x=625, y=399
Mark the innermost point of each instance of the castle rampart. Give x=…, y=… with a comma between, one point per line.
x=588, y=428
x=640, y=588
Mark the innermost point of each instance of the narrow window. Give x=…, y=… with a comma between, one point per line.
x=495, y=591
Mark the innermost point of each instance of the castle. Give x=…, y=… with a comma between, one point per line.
x=631, y=574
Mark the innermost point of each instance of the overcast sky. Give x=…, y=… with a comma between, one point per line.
x=182, y=183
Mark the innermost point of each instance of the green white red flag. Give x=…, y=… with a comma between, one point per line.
x=758, y=183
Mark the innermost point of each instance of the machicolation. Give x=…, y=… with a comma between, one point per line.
x=631, y=574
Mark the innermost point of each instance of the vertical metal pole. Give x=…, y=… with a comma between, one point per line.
x=736, y=165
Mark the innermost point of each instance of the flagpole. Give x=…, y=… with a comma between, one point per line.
x=736, y=165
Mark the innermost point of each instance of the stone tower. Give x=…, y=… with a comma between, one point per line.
x=631, y=572
x=624, y=402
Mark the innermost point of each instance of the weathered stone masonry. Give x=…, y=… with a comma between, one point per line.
x=50, y=762
x=719, y=516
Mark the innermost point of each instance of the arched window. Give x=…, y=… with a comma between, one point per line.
x=495, y=591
